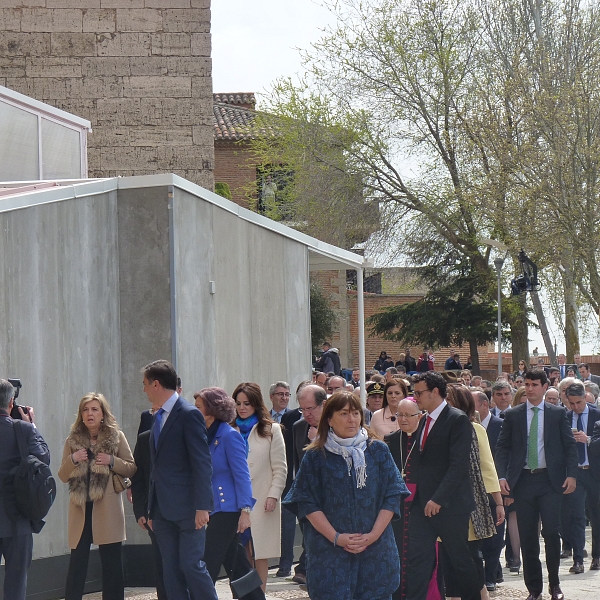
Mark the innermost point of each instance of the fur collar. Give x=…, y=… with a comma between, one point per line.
x=89, y=479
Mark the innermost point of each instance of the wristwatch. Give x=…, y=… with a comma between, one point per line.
x=247, y=509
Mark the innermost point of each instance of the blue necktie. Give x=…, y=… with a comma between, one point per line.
x=580, y=445
x=156, y=426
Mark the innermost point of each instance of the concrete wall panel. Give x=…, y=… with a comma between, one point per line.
x=60, y=315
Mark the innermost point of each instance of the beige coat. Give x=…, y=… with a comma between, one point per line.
x=268, y=472
x=108, y=516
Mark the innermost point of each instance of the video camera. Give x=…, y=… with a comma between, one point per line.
x=14, y=413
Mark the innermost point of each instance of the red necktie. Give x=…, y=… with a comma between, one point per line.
x=426, y=432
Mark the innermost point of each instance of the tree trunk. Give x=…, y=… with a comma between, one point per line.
x=539, y=313
x=476, y=370
x=519, y=332
x=571, y=320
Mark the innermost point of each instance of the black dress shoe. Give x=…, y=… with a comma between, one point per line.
x=556, y=592
x=577, y=568
x=491, y=587
x=515, y=568
x=535, y=596
x=500, y=578
x=566, y=553
x=595, y=566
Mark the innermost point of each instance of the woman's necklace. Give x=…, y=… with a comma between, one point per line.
x=402, y=461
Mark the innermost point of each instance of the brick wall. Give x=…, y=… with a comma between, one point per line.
x=232, y=166
x=139, y=70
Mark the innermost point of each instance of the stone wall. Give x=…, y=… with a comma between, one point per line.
x=139, y=70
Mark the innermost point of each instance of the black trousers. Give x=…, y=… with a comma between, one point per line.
x=223, y=547
x=17, y=552
x=161, y=592
x=422, y=534
x=454, y=586
x=113, y=587
x=535, y=497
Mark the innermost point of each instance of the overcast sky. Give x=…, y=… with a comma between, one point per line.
x=254, y=43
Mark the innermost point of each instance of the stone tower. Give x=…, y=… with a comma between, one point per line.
x=139, y=70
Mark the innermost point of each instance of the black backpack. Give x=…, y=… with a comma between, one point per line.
x=29, y=487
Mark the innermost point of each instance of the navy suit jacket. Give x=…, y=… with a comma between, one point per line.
x=593, y=418
x=232, y=488
x=180, y=480
x=559, y=446
x=9, y=458
x=493, y=432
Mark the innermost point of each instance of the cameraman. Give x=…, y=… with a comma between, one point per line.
x=16, y=539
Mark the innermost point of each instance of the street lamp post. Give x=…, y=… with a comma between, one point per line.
x=498, y=262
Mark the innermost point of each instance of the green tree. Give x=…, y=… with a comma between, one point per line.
x=323, y=319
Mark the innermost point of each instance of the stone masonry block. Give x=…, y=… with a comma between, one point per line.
x=73, y=44
x=42, y=88
x=72, y=3
x=203, y=136
x=129, y=158
x=122, y=3
x=21, y=3
x=157, y=136
x=12, y=67
x=10, y=19
x=157, y=87
x=176, y=111
x=118, y=111
x=200, y=44
x=136, y=19
x=171, y=44
x=123, y=44
x=200, y=3
x=95, y=87
x=109, y=136
x=24, y=44
x=202, y=88
x=181, y=157
x=53, y=67
x=52, y=20
x=192, y=20
x=168, y=3
x=153, y=65
x=100, y=20
x=85, y=108
x=103, y=66
x=189, y=65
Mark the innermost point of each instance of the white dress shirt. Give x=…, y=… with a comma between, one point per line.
x=486, y=421
x=167, y=408
x=434, y=416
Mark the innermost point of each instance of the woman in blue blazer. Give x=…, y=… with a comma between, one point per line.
x=232, y=489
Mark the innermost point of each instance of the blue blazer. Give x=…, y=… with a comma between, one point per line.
x=180, y=480
x=232, y=488
x=493, y=430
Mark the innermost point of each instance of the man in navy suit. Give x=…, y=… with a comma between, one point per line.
x=536, y=460
x=181, y=496
x=582, y=418
x=16, y=540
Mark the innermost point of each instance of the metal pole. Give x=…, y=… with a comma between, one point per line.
x=498, y=264
x=361, y=335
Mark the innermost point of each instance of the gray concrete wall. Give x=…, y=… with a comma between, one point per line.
x=256, y=327
x=59, y=307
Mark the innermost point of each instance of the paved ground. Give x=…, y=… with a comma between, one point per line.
x=575, y=587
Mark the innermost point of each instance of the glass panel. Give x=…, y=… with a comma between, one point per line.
x=61, y=153
x=18, y=144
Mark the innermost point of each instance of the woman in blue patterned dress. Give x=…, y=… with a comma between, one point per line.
x=346, y=491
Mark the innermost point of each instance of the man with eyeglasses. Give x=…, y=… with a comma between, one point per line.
x=310, y=404
x=335, y=384
x=279, y=393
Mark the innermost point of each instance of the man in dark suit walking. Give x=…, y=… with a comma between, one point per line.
x=16, y=539
x=582, y=417
x=443, y=499
x=536, y=460
x=181, y=496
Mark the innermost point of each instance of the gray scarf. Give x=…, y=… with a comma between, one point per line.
x=353, y=452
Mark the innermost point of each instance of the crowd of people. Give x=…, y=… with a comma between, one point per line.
x=413, y=496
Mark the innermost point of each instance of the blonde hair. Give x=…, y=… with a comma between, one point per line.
x=108, y=419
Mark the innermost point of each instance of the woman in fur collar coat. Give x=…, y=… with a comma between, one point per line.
x=95, y=450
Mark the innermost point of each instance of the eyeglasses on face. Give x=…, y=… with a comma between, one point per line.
x=417, y=393
x=405, y=416
x=282, y=394
x=307, y=410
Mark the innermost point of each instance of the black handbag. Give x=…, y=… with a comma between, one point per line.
x=247, y=583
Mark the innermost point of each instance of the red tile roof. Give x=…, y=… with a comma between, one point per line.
x=245, y=99
x=234, y=117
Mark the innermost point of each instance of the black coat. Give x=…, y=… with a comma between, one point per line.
x=300, y=441
x=493, y=432
x=287, y=421
x=593, y=430
x=559, y=446
x=441, y=470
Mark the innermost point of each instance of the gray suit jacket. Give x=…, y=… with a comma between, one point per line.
x=9, y=458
